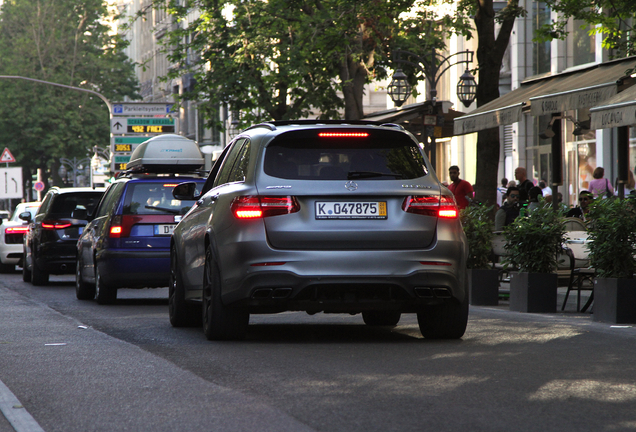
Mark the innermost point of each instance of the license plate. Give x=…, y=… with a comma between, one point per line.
x=351, y=210
x=164, y=229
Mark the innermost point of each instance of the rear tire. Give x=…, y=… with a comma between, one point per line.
x=182, y=313
x=26, y=273
x=38, y=277
x=445, y=321
x=219, y=321
x=104, y=294
x=381, y=318
x=83, y=290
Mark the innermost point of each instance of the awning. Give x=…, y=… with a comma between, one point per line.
x=411, y=116
x=567, y=91
x=617, y=111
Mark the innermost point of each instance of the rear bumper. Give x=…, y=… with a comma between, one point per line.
x=345, y=281
x=134, y=268
x=56, y=257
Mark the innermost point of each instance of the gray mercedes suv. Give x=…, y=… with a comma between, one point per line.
x=319, y=216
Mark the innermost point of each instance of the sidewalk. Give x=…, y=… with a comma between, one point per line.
x=570, y=307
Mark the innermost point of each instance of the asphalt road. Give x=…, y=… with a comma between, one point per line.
x=78, y=366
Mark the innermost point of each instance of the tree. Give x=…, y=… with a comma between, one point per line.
x=614, y=19
x=65, y=42
x=283, y=59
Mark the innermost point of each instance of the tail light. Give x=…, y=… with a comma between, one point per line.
x=55, y=224
x=121, y=225
x=16, y=230
x=254, y=206
x=431, y=205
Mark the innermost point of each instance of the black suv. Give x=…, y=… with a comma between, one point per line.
x=127, y=244
x=50, y=243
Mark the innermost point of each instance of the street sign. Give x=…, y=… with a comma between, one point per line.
x=7, y=156
x=38, y=186
x=138, y=108
x=126, y=144
x=11, y=182
x=142, y=125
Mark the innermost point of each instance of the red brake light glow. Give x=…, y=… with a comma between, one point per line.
x=16, y=230
x=254, y=206
x=55, y=225
x=343, y=134
x=431, y=205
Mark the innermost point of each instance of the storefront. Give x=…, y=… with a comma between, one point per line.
x=550, y=119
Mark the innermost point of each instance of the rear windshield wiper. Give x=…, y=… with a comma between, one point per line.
x=168, y=210
x=370, y=174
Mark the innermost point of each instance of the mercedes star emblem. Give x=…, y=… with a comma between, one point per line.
x=351, y=185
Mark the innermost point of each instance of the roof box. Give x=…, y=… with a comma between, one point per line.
x=166, y=154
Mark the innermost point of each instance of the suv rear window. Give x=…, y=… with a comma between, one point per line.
x=64, y=204
x=382, y=155
x=154, y=198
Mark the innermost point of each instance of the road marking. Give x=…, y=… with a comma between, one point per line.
x=17, y=415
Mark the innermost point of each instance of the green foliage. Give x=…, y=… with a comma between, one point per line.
x=65, y=42
x=611, y=18
x=287, y=59
x=612, y=232
x=478, y=227
x=534, y=242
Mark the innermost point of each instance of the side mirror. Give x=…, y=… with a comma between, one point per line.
x=25, y=216
x=185, y=191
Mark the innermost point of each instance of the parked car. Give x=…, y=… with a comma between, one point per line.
x=320, y=216
x=12, y=231
x=50, y=242
x=127, y=244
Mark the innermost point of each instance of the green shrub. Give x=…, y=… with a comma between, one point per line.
x=534, y=242
x=478, y=227
x=612, y=235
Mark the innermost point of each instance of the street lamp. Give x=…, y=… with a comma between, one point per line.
x=432, y=68
x=75, y=165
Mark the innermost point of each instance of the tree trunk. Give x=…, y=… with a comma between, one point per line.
x=490, y=53
x=353, y=76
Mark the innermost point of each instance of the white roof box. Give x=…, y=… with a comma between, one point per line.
x=166, y=153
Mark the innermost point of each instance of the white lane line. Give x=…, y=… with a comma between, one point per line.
x=17, y=415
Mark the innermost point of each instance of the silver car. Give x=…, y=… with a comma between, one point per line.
x=320, y=217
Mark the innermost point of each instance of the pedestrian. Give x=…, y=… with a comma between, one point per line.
x=600, y=187
x=462, y=190
x=501, y=191
x=512, y=183
x=545, y=189
x=533, y=197
x=509, y=210
x=523, y=183
x=585, y=199
x=629, y=186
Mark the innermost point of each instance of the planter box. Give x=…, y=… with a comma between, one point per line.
x=533, y=292
x=483, y=286
x=615, y=300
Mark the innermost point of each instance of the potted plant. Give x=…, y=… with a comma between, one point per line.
x=483, y=280
x=612, y=246
x=534, y=245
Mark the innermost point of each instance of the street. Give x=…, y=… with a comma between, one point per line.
x=78, y=366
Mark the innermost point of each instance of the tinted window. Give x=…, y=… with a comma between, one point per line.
x=239, y=170
x=380, y=155
x=110, y=199
x=64, y=204
x=151, y=198
x=228, y=164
